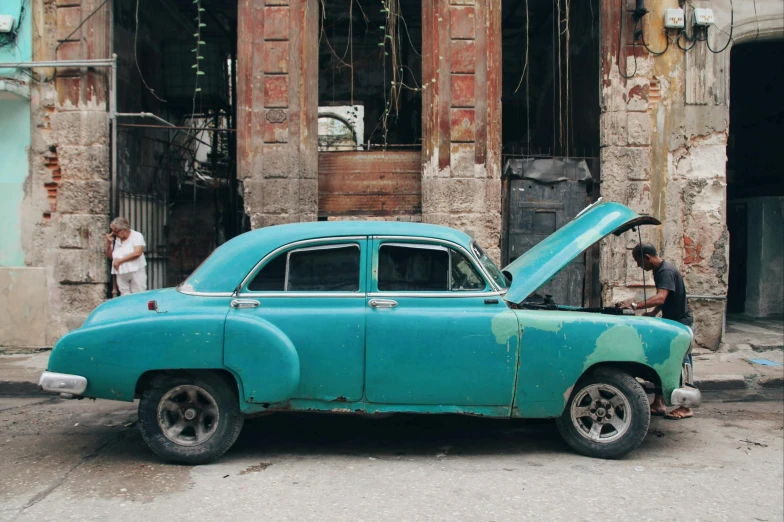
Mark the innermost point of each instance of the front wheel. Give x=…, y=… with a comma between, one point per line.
x=190, y=419
x=607, y=415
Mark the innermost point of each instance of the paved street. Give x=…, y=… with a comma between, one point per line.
x=86, y=460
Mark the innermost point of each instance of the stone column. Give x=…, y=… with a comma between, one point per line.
x=66, y=207
x=663, y=141
x=461, y=131
x=277, y=116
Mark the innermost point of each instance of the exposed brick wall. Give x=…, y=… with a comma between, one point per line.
x=65, y=212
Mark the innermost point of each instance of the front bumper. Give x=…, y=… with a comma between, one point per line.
x=688, y=395
x=62, y=383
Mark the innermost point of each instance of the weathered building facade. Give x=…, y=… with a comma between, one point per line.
x=474, y=83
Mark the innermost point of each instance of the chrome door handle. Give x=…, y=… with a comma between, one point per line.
x=244, y=303
x=382, y=303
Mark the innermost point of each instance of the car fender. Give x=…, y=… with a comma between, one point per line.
x=559, y=347
x=263, y=357
x=113, y=356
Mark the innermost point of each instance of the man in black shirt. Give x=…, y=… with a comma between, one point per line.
x=670, y=300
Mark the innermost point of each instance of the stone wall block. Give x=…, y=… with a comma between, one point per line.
x=81, y=127
x=277, y=162
x=640, y=128
x=83, y=197
x=82, y=299
x=638, y=196
x=613, y=259
x=308, y=196
x=82, y=266
x=82, y=231
x=435, y=195
x=278, y=196
x=84, y=163
x=485, y=228
x=463, y=160
x=636, y=95
x=467, y=195
x=614, y=129
x=441, y=218
x=493, y=196
x=708, y=319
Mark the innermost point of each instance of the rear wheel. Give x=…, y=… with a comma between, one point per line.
x=190, y=419
x=607, y=415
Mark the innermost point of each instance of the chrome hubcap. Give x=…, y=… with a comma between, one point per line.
x=188, y=415
x=601, y=413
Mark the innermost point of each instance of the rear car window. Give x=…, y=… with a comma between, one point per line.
x=329, y=268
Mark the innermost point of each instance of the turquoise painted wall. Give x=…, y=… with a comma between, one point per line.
x=22, y=50
x=14, y=167
x=14, y=139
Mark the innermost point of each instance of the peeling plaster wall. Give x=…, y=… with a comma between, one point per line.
x=664, y=137
x=64, y=211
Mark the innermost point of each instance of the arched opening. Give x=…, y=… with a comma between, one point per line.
x=755, y=184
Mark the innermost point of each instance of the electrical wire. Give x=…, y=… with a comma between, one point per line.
x=729, y=40
x=689, y=39
x=645, y=44
x=644, y=292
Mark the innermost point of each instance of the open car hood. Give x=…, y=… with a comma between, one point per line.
x=537, y=266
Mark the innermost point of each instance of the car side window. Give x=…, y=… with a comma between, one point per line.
x=328, y=268
x=423, y=268
x=463, y=274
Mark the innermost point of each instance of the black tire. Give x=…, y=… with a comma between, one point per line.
x=179, y=428
x=584, y=413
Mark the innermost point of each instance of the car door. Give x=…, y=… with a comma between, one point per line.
x=308, y=302
x=437, y=333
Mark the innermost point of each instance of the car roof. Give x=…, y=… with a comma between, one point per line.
x=228, y=265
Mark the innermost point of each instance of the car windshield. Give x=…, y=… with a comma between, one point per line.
x=491, y=267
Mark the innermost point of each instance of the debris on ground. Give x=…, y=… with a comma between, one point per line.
x=754, y=443
x=261, y=466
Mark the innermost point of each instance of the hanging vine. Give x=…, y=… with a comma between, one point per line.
x=199, y=43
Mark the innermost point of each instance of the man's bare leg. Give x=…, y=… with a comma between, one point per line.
x=657, y=406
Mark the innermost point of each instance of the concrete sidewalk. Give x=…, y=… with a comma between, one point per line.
x=735, y=368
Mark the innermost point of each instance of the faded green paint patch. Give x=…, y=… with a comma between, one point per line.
x=619, y=343
x=544, y=323
x=504, y=326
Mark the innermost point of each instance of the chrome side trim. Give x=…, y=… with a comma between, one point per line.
x=269, y=295
x=469, y=254
x=291, y=245
x=62, y=383
x=456, y=294
x=205, y=294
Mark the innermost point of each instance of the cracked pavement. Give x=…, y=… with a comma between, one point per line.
x=86, y=460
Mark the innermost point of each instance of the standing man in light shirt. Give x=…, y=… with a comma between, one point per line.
x=125, y=247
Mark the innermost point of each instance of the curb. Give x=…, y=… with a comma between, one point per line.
x=720, y=382
x=20, y=388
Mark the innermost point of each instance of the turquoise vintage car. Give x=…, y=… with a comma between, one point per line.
x=370, y=318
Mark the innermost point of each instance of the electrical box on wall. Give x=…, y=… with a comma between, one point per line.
x=6, y=23
x=703, y=16
x=673, y=18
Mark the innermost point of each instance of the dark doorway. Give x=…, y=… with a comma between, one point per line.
x=551, y=121
x=370, y=109
x=755, y=179
x=550, y=77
